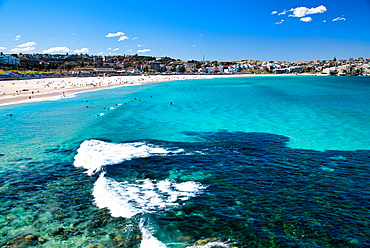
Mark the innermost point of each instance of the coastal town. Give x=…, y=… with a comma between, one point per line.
x=18, y=66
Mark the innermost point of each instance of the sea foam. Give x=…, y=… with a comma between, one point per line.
x=125, y=199
x=148, y=240
x=94, y=154
x=129, y=198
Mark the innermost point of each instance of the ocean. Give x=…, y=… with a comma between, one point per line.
x=227, y=162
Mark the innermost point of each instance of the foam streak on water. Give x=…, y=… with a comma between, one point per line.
x=125, y=199
x=148, y=240
x=94, y=154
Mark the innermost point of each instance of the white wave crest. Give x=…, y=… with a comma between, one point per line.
x=148, y=240
x=125, y=199
x=94, y=154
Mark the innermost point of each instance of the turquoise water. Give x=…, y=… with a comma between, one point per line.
x=252, y=162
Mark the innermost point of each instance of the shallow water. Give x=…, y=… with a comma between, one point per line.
x=253, y=162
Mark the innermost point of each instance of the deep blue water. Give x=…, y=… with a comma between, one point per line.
x=251, y=162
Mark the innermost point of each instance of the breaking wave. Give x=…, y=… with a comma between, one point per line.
x=128, y=198
x=94, y=154
x=125, y=199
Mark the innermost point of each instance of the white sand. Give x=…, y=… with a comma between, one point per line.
x=13, y=91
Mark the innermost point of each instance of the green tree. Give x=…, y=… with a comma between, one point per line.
x=182, y=69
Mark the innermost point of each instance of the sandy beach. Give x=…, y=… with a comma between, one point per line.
x=14, y=91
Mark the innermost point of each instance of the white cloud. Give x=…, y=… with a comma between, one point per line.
x=140, y=45
x=17, y=37
x=280, y=22
x=129, y=50
x=28, y=44
x=324, y=21
x=100, y=53
x=194, y=45
x=82, y=50
x=143, y=51
x=339, y=19
x=306, y=19
x=57, y=49
x=135, y=38
x=284, y=12
x=115, y=34
x=274, y=12
x=123, y=38
x=2, y=48
x=303, y=11
x=115, y=49
x=109, y=49
x=23, y=49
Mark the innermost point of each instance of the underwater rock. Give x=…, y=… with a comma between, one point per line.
x=23, y=241
x=206, y=241
x=102, y=212
x=11, y=217
x=118, y=239
x=60, y=216
x=17, y=242
x=184, y=238
x=58, y=231
x=41, y=240
x=30, y=237
x=121, y=242
x=211, y=243
x=62, y=234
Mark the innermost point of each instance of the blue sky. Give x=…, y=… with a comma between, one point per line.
x=285, y=30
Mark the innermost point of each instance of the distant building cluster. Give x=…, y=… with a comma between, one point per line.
x=9, y=60
x=84, y=64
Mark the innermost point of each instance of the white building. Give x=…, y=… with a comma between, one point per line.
x=329, y=70
x=294, y=69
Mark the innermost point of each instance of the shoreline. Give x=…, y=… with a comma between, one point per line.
x=23, y=91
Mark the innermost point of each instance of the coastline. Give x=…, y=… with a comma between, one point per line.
x=20, y=91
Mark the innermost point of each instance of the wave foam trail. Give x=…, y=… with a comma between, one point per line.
x=94, y=154
x=125, y=199
x=148, y=240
